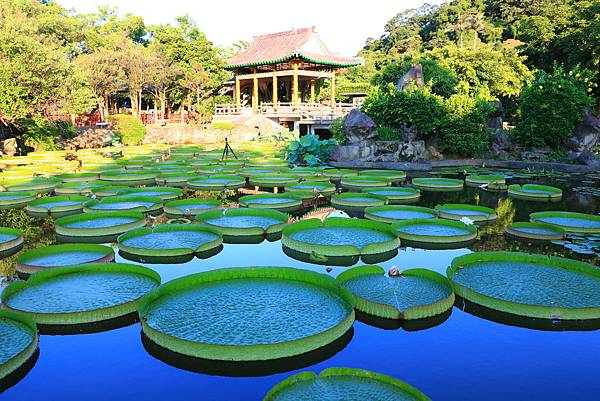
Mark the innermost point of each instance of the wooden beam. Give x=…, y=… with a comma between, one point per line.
x=333, y=89
x=295, y=84
x=255, y=95
x=312, y=91
x=288, y=73
x=237, y=92
x=275, y=94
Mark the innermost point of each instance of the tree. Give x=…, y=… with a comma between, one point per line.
x=101, y=71
x=135, y=65
x=34, y=68
x=196, y=80
x=164, y=75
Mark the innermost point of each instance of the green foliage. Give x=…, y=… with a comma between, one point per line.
x=310, y=151
x=460, y=120
x=465, y=132
x=550, y=109
x=223, y=125
x=43, y=135
x=337, y=130
x=129, y=129
x=389, y=134
x=438, y=79
x=415, y=108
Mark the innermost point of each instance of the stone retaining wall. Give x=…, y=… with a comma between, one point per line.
x=190, y=134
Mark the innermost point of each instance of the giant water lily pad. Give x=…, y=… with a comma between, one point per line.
x=535, y=192
x=40, y=185
x=393, y=213
x=129, y=177
x=486, y=180
x=314, y=187
x=165, y=193
x=396, y=195
x=99, y=224
x=289, y=202
x=392, y=175
x=536, y=286
x=337, y=384
x=190, y=207
x=13, y=200
x=170, y=240
x=569, y=221
x=132, y=203
x=458, y=211
x=364, y=181
x=273, y=180
x=81, y=294
x=357, y=202
x=537, y=231
x=62, y=255
x=245, y=221
x=438, y=184
x=11, y=241
x=18, y=341
x=340, y=237
x=79, y=188
x=216, y=182
x=414, y=294
x=450, y=233
x=56, y=206
x=247, y=314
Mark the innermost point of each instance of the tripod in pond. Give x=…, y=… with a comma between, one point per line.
x=226, y=151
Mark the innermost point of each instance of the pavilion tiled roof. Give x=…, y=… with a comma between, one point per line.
x=275, y=48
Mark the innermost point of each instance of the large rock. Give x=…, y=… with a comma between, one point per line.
x=381, y=151
x=587, y=133
x=414, y=77
x=359, y=127
x=9, y=146
x=89, y=138
x=501, y=140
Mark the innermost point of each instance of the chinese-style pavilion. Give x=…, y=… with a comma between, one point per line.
x=278, y=76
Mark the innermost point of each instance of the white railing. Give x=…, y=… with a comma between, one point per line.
x=303, y=111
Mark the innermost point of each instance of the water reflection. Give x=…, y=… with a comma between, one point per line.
x=510, y=319
x=17, y=375
x=408, y=325
x=89, y=328
x=246, y=369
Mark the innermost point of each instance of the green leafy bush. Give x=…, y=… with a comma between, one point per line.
x=550, y=108
x=310, y=151
x=465, y=132
x=223, y=125
x=415, y=108
x=128, y=128
x=389, y=134
x=44, y=135
x=337, y=130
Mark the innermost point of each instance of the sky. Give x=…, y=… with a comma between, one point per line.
x=344, y=25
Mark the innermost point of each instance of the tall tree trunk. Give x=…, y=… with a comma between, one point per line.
x=134, y=103
x=139, y=104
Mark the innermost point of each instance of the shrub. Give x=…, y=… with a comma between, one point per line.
x=550, y=108
x=465, y=131
x=415, y=108
x=389, y=134
x=310, y=151
x=43, y=135
x=128, y=128
x=337, y=130
x=223, y=125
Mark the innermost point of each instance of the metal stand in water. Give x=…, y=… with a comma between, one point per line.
x=226, y=151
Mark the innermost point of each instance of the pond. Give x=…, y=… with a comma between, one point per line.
x=469, y=353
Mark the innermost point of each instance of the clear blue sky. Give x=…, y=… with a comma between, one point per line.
x=344, y=25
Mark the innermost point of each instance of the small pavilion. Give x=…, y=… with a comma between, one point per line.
x=279, y=76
